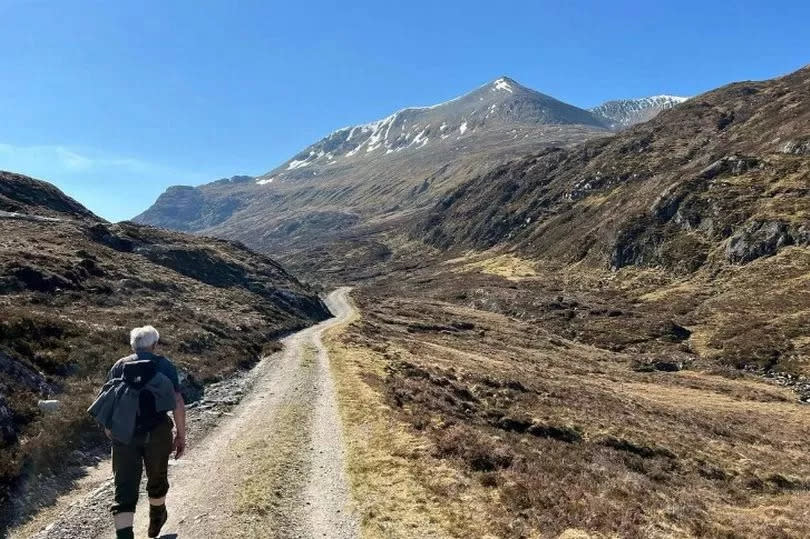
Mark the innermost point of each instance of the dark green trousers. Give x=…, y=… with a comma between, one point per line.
x=150, y=451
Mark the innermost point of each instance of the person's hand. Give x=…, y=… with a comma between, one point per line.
x=179, y=446
x=108, y=433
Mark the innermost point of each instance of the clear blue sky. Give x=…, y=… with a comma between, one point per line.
x=113, y=101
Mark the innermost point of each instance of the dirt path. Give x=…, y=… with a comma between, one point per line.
x=274, y=467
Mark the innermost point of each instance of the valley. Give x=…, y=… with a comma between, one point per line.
x=602, y=340
x=569, y=323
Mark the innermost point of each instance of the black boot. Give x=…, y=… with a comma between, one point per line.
x=125, y=533
x=157, y=518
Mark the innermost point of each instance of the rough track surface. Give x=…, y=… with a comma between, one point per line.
x=211, y=485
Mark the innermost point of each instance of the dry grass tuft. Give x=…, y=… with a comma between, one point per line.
x=400, y=488
x=506, y=265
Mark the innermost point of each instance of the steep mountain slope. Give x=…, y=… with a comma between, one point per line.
x=72, y=285
x=701, y=174
x=501, y=104
x=710, y=200
x=623, y=113
x=191, y=209
x=386, y=168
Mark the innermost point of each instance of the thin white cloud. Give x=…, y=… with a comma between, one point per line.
x=54, y=159
x=113, y=186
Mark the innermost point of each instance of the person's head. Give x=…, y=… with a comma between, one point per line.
x=144, y=339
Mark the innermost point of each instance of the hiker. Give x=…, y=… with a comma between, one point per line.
x=132, y=407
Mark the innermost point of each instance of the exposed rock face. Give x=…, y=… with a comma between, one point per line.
x=188, y=208
x=758, y=239
x=178, y=208
x=797, y=147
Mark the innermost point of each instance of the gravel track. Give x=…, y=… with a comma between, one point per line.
x=211, y=484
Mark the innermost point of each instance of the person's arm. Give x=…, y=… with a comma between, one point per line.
x=180, y=423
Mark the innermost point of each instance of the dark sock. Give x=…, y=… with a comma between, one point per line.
x=125, y=533
x=157, y=518
x=157, y=510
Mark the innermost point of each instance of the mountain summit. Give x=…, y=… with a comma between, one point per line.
x=502, y=103
x=377, y=171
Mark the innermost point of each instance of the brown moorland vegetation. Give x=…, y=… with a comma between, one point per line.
x=612, y=338
x=73, y=285
x=569, y=435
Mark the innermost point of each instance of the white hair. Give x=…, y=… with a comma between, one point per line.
x=143, y=338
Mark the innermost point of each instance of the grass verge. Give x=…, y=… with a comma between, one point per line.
x=273, y=484
x=399, y=489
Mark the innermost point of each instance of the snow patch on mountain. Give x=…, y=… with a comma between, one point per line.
x=492, y=106
x=623, y=113
x=308, y=160
x=502, y=84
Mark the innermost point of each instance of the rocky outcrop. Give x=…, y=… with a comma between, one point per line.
x=190, y=209
x=21, y=375
x=21, y=194
x=758, y=239
x=18, y=376
x=797, y=147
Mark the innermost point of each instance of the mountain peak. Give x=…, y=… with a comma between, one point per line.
x=505, y=84
x=499, y=105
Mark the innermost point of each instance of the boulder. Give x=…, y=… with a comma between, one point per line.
x=797, y=147
x=670, y=362
x=21, y=374
x=49, y=406
x=733, y=165
x=191, y=389
x=756, y=240
x=668, y=365
x=41, y=280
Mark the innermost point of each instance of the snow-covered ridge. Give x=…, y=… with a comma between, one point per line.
x=502, y=83
x=502, y=103
x=621, y=113
x=410, y=128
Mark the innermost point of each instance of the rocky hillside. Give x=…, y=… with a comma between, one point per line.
x=383, y=169
x=71, y=287
x=710, y=200
x=623, y=113
x=724, y=175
